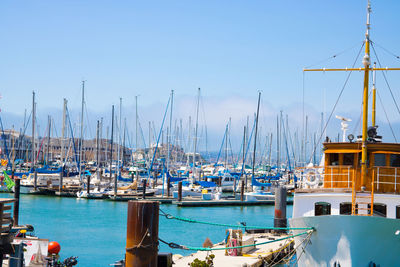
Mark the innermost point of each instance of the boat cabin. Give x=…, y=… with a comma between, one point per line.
x=343, y=166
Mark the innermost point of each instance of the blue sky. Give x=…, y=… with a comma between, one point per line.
x=231, y=49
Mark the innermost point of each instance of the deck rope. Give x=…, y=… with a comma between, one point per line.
x=169, y=216
x=177, y=246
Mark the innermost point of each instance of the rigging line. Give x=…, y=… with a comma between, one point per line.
x=384, y=76
x=389, y=52
x=334, y=56
x=337, y=101
x=387, y=118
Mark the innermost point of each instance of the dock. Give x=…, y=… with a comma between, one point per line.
x=223, y=202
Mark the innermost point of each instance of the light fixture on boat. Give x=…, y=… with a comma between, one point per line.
x=373, y=136
x=350, y=137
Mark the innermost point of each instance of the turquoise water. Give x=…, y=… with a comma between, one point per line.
x=95, y=230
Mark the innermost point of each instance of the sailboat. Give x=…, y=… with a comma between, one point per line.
x=355, y=208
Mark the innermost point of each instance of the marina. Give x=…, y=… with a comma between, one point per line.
x=198, y=176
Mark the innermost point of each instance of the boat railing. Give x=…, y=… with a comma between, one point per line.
x=339, y=176
x=387, y=179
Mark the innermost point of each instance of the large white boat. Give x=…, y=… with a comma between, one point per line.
x=354, y=208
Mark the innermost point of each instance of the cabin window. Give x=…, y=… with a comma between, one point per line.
x=379, y=209
x=380, y=159
x=348, y=159
x=345, y=208
x=322, y=208
x=334, y=159
x=397, y=212
x=394, y=160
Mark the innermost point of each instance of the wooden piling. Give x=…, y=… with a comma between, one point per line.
x=168, y=185
x=142, y=234
x=88, y=184
x=17, y=189
x=234, y=187
x=241, y=190
x=144, y=189
x=280, y=208
x=61, y=180
x=180, y=191
x=35, y=180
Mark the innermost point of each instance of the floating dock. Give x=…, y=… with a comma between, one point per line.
x=222, y=202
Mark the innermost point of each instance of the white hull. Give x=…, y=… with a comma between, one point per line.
x=348, y=241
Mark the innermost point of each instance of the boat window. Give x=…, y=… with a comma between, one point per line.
x=322, y=208
x=345, y=208
x=397, y=212
x=380, y=159
x=348, y=159
x=395, y=160
x=379, y=209
x=334, y=159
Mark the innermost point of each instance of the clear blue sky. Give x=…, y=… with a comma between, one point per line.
x=231, y=49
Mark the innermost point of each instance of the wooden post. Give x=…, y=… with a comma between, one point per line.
x=280, y=208
x=234, y=186
x=35, y=180
x=144, y=189
x=168, y=184
x=132, y=176
x=241, y=190
x=16, y=196
x=61, y=180
x=88, y=184
x=142, y=234
x=115, y=182
x=180, y=191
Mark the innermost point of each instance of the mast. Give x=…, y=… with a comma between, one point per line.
x=97, y=146
x=136, y=119
x=366, y=63
x=33, y=130
x=196, y=128
x=373, y=96
x=111, y=156
x=48, y=139
x=170, y=131
x=81, y=139
x=63, y=131
x=255, y=135
x=119, y=136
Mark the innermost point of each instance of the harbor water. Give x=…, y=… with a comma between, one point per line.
x=95, y=230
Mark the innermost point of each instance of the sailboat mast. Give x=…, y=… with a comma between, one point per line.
x=366, y=63
x=170, y=131
x=119, y=135
x=196, y=128
x=63, y=131
x=33, y=129
x=255, y=135
x=81, y=139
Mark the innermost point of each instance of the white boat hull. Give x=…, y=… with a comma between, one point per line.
x=343, y=240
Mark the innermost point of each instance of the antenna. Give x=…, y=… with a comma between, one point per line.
x=344, y=125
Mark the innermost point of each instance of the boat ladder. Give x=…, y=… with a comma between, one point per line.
x=362, y=202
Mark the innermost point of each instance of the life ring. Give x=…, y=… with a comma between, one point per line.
x=309, y=181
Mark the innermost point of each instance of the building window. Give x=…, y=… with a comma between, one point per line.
x=345, y=208
x=380, y=159
x=322, y=208
x=394, y=160
x=348, y=159
x=379, y=209
x=397, y=212
x=334, y=159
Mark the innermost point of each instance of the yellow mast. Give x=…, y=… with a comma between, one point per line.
x=373, y=96
x=366, y=63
